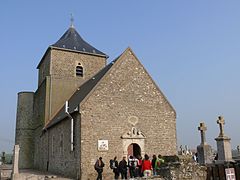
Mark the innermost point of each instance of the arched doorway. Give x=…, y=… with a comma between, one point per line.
x=134, y=150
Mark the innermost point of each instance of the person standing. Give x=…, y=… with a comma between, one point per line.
x=154, y=158
x=99, y=168
x=114, y=167
x=132, y=164
x=146, y=166
x=158, y=164
x=123, y=168
x=140, y=161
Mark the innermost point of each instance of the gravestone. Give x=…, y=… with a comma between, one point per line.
x=186, y=150
x=224, y=149
x=204, y=150
x=181, y=150
x=3, y=158
x=15, y=170
x=237, y=154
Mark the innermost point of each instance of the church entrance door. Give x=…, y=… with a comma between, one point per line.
x=134, y=150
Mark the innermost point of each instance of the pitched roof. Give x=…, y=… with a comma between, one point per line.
x=88, y=86
x=79, y=95
x=71, y=40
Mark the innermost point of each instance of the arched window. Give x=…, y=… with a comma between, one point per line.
x=79, y=70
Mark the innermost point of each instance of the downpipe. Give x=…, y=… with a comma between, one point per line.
x=69, y=115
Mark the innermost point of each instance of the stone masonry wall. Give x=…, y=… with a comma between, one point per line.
x=39, y=120
x=61, y=90
x=63, y=79
x=44, y=68
x=56, y=154
x=57, y=82
x=40, y=103
x=125, y=91
x=24, y=129
x=63, y=64
x=187, y=169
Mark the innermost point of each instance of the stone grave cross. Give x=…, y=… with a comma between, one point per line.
x=221, y=122
x=202, y=128
x=181, y=148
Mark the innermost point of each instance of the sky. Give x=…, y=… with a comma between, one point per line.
x=190, y=48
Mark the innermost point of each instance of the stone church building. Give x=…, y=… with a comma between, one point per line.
x=85, y=108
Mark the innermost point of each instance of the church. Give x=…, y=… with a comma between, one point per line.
x=85, y=108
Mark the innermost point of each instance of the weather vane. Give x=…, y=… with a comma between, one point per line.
x=72, y=20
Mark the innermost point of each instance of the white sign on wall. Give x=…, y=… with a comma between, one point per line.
x=230, y=174
x=103, y=145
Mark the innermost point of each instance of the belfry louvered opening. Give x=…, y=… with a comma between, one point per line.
x=79, y=70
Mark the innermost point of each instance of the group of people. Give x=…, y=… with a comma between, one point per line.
x=134, y=167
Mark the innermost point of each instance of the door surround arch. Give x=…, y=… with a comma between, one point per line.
x=134, y=136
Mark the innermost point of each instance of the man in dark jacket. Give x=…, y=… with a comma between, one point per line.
x=132, y=164
x=154, y=158
x=99, y=168
x=114, y=167
x=123, y=168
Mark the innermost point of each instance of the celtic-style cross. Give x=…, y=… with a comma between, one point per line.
x=221, y=122
x=202, y=128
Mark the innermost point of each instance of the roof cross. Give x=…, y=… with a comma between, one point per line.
x=221, y=122
x=72, y=20
x=202, y=128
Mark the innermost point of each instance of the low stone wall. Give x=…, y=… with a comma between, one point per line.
x=186, y=168
x=5, y=172
x=30, y=174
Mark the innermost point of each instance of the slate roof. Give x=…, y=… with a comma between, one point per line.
x=79, y=95
x=73, y=41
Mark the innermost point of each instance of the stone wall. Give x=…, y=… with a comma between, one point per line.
x=57, y=82
x=5, y=172
x=126, y=91
x=40, y=97
x=44, y=67
x=61, y=159
x=63, y=81
x=187, y=169
x=24, y=129
x=61, y=89
x=63, y=63
x=39, y=120
x=54, y=152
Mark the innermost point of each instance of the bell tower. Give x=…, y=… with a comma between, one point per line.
x=64, y=67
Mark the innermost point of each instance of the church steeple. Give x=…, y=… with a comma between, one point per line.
x=71, y=40
x=68, y=63
x=72, y=19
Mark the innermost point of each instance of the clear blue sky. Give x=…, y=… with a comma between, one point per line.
x=191, y=49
